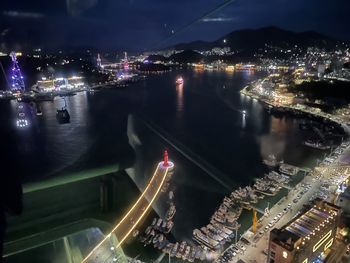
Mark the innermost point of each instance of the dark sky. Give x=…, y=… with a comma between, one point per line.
x=145, y=24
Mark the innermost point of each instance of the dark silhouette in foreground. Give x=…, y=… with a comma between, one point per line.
x=10, y=193
x=10, y=202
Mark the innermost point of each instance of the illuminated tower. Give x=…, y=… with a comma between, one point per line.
x=167, y=167
x=99, y=61
x=165, y=159
x=16, y=75
x=255, y=221
x=126, y=63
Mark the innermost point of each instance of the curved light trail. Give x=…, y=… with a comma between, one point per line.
x=136, y=213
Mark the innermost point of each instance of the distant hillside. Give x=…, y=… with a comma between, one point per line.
x=187, y=56
x=254, y=39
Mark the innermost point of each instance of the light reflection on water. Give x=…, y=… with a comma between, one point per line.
x=202, y=115
x=179, y=101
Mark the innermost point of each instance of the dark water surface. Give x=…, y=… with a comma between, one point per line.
x=204, y=117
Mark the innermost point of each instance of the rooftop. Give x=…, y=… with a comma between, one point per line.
x=307, y=224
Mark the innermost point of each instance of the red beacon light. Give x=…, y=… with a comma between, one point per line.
x=165, y=158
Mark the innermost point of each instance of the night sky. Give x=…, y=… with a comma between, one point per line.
x=147, y=24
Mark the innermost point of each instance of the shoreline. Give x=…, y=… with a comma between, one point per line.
x=296, y=109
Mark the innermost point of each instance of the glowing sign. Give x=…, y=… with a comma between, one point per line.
x=329, y=244
x=322, y=240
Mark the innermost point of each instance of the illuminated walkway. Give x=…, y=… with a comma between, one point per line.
x=104, y=251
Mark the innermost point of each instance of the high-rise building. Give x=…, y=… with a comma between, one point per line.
x=307, y=236
x=343, y=201
x=99, y=61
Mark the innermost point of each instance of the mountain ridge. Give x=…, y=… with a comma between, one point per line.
x=254, y=39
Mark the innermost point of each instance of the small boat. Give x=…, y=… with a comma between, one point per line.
x=38, y=110
x=317, y=145
x=171, y=212
x=271, y=161
x=179, y=81
x=63, y=116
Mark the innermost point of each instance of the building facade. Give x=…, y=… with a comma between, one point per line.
x=307, y=236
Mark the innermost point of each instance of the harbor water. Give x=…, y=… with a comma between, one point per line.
x=221, y=138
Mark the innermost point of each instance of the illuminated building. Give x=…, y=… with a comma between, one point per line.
x=57, y=84
x=199, y=66
x=45, y=85
x=230, y=68
x=307, y=236
x=99, y=61
x=245, y=67
x=75, y=82
x=284, y=98
x=343, y=200
x=126, y=62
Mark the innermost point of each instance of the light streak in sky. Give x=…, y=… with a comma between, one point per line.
x=201, y=18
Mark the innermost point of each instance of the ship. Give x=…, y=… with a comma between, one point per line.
x=171, y=195
x=317, y=145
x=159, y=222
x=271, y=161
x=63, y=116
x=155, y=239
x=278, y=178
x=168, y=227
x=171, y=212
x=181, y=249
x=38, y=110
x=202, y=239
x=179, y=81
x=167, y=249
x=154, y=222
x=266, y=186
x=186, y=253
x=288, y=169
x=174, y=249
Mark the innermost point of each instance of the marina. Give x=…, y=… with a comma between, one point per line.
x=156, y=234
x=224, y=226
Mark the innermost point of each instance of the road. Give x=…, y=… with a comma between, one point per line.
x=259, y=243
x=105, y=250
